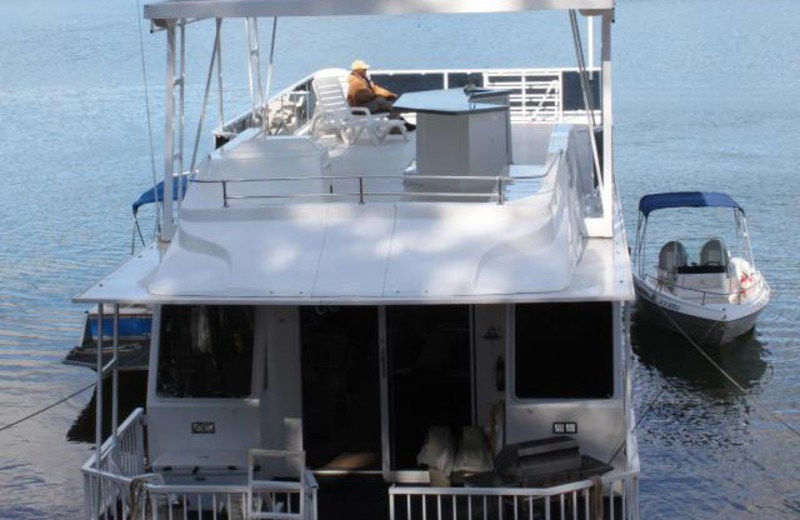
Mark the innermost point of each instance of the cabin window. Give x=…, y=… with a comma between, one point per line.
x=564, y=350
x=206, y=351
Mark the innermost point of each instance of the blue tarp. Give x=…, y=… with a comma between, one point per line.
x=686, y=199
x=149, y=197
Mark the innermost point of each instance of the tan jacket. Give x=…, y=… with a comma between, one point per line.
x=361, y=91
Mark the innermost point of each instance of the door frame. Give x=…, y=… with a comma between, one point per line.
x=410, y=476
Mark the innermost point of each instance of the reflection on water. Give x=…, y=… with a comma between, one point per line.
x=706, y=450
x=675, y=357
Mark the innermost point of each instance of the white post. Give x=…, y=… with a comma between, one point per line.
x=249, y=63
x=608, y=124
x=590, y=37
x=219, y=74
x=98, y=415
x=254, y=67
x=169, y=134
x=115, y=378
x=269, y=73
x=181, y=112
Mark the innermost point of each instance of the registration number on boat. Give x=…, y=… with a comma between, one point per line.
x=668, y=305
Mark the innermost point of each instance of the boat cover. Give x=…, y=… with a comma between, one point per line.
x=686, y=199
x=149, y=195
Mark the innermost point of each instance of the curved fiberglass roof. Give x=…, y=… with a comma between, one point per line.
x=686, y=199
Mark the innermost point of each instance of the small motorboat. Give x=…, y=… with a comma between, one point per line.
x=711, y=292
x=135, y=323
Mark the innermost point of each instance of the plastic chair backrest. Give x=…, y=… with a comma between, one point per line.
x=328, y=90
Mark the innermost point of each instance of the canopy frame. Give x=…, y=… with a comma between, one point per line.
x=162, y=12
x=686, y=199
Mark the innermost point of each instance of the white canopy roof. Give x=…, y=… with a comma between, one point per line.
x=173, y=9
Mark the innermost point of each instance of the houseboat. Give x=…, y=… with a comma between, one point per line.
x=352, y=320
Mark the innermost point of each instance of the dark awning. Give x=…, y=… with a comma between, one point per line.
x=149, y=196
x=686, y=199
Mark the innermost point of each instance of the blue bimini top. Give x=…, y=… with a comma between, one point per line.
x=686, y=199
x=149, y=196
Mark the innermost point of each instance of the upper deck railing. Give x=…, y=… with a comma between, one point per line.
x=358, y=190
x=539, y=95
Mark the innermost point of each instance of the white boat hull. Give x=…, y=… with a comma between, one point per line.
x=710, y=324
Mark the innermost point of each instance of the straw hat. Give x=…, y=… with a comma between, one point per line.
x=359, y=64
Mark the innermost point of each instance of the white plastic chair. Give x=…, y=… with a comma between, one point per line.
x=334, y=114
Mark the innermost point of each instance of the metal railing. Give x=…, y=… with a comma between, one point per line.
x=733, y=297
x=274, y=500
x=122, y=457
x=119, y=489
x=362, y=195
x=358, y=191
x=585, y=500
x=537, y=95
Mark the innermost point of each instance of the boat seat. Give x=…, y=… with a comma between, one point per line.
x=672, y=256
x=714, y=253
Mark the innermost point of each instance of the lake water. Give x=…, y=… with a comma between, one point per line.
x=706, y=95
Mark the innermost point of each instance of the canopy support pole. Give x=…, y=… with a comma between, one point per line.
x=590, y=37
x=181, y=110
x=115, y=378
x=98, y=414
x=206, y=92
x=168, y=227
x=588, y=101
x=254, y=68
x=219, y=75
x=268, y=117
x=608, y=123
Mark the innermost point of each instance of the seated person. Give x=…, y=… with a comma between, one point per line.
x=363, y=92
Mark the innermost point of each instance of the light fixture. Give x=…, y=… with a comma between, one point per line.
x=492, y=334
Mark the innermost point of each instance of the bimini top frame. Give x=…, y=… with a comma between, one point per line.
x=177, y=9
x=686, y=199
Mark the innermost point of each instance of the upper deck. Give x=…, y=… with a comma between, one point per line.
x=303, y=218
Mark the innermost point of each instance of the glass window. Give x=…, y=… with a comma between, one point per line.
x=564, y=350
x=205, y=351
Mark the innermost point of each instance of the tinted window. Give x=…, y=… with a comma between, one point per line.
x=205, y=351
x=564, y=350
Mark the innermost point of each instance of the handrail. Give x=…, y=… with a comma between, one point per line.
x=244, y=119
x=660, y=282
x=498, y=194
x=551, y=491
x=571, y=500
x=109, y=444
x=362, y=194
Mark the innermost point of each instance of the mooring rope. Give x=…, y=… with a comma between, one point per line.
x=730, y=378
x=716, y=365
x=34, y=414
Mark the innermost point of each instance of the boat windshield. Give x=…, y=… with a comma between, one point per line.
x=205, y=351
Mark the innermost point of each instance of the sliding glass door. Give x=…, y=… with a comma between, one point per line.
x=429, y=376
